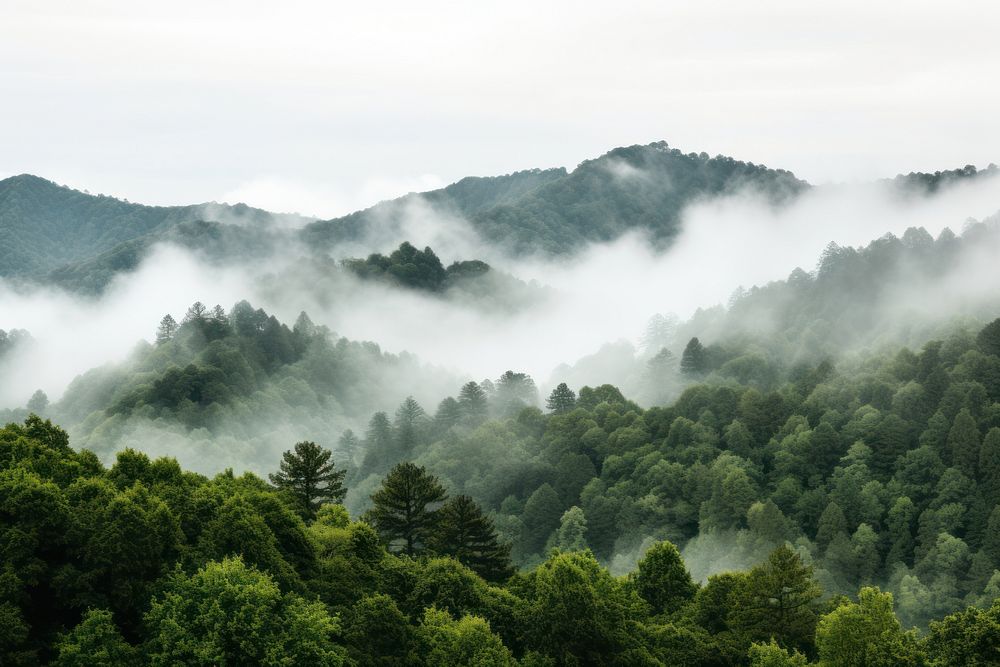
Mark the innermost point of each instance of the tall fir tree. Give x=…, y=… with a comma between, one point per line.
x=963, y=443
x=463, y=532
x=694, y=360
x=309, y=475
x=166, y=330
x=561, y=400
x=405, y=508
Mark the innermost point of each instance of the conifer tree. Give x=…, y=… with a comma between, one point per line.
x=989, y=465
x=693, y=360
x=308, y=474
x=474, y=403
x=405, y=508
x=562, y=399
x=166, y=330
x=963, y=443
x=466, y=534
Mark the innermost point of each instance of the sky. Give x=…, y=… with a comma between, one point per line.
x=322, y=108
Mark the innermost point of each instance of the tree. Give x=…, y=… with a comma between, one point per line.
x=228, y=613
x=541, y=516
x=405, y=508
x=772, y=655
x=963, y=443
x=463, y=532
x=378, y=445
x=662, y=580
x=196, y=313
x=409, y=425
x=969, y=638
x=309, y=476
x=694, y=360
x=474, y=403
x=562, y=399
x=38, y=402
x=989, y=465
x=348, y=446
x=831, y=524
x=571, y=535
x=95, y=642
x=468, y=641
x=578, y=613
x=865, y=633
x=778, y=599
x=166, y=330
x=377, y=633
x=515, y=391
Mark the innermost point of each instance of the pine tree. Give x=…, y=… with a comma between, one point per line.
x=378, y=445
x=963, y=443
x=405, y=508
x=348, y=446
x=409, y=424
x=541, y=516
x=308, y=474
x=448, y=414
x=694, y=360
x=562, y=399
x=778, y=599
x=166, y=330
x=466, y=534
x=474, y=403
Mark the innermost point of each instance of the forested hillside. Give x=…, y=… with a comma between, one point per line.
x=638, y=187
x=44, y=227
x=224, y=388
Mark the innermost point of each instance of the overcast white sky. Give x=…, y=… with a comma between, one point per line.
x=324, y=107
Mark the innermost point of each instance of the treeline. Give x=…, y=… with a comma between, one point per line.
x=884, y=470
x=144, y=563
x=221, y=387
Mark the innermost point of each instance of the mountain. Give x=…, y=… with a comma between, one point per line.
x=637, y=187
x=46, y=227
x=56, y=235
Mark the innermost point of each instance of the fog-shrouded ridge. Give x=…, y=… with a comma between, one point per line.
x=604, y=294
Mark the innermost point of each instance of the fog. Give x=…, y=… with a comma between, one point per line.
x=604, y=294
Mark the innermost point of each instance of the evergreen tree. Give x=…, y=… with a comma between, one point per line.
x=541, y=516
x=694, y=360
x=449, y=413
x=348, y=447
x=379, y=449
x=409, y=425
x=474, y=403
x=308, y=475
x=166, y=330
x=963, y=443
x=831, y=523
x=778, y=599
x=989, y=465
x=662, y=580
x=562, y=399
x=405, y=508
x=463, y=532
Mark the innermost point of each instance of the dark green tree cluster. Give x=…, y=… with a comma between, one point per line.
x=418, y=269
x=882, y=472
x=143, y=563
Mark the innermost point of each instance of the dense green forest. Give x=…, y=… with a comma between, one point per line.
x=144, y=563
